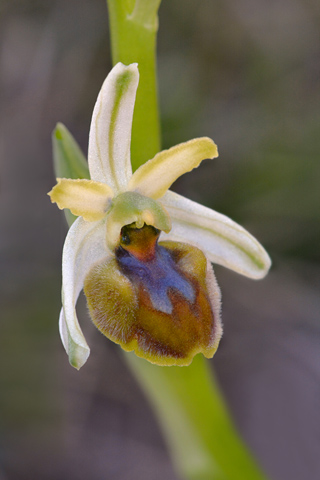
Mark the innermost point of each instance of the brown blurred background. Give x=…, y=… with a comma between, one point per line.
x=247, y=74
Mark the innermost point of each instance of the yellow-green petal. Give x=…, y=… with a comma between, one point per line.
x=85, y=198
x=156, y=176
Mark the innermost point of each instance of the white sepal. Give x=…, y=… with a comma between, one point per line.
x=221, y=239
x=110, y=131
x=84, y=246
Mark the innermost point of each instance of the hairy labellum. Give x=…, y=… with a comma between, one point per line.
x=159, y=299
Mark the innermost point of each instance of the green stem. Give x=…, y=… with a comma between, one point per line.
x=193, y=415
x=203, y=441
x=133, y=39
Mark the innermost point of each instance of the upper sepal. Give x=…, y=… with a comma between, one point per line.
x=110, y=130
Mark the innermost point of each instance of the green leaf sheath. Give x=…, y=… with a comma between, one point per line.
x=133, y=39
x=68, y=160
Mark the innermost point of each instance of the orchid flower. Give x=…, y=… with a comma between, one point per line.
x=159, y=299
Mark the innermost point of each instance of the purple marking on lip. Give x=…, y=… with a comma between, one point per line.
x=157, y=276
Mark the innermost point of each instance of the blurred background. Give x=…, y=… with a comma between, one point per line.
x=247, y=74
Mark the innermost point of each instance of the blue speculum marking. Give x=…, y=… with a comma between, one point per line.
x=157, y=276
